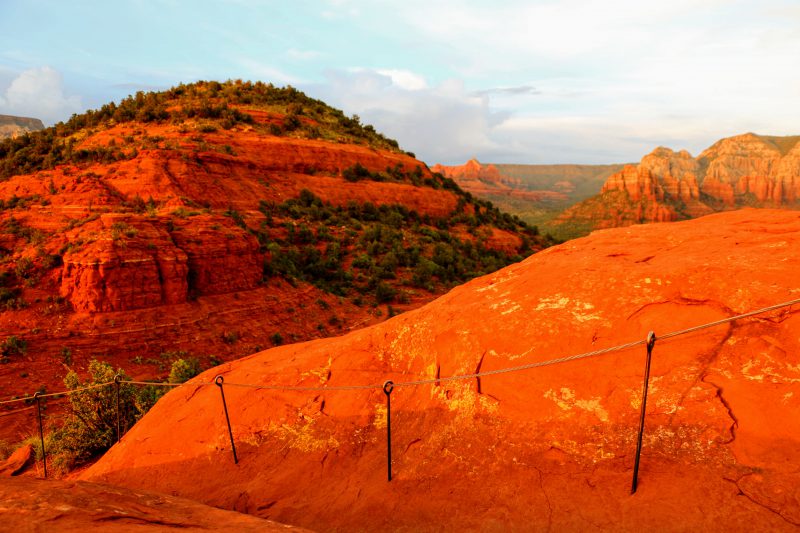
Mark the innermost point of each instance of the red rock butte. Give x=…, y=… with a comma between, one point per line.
x=487, y=181
x=544, y=448
x=744, y=170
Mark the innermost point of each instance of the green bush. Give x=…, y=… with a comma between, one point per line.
x=91, y=427
x=184, y=369
x=13, y=345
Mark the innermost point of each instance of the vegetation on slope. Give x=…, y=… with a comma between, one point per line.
x=216, y=104
x=372, y=248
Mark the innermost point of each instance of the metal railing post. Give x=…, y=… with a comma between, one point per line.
x=41, y=430
x=651, y=341
x=218, y=381
x=117, y=380
x=388, y=387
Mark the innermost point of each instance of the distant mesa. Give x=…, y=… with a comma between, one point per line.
x=747, y=170
x=535, y=183
x=535, y=193
x=11, y=126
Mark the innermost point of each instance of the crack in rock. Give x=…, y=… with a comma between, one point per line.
x=756, y=502
x=727, y=406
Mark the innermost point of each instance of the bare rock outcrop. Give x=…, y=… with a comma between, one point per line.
x=34, y=505
x=17, y=461
x=119, y=264
x=553, y=443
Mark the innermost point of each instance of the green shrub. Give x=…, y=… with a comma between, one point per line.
x=384, y=292
x=91, y=427
x=184, y=369
x=13, y=345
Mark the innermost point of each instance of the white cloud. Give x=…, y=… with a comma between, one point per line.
x=39, y=93
x=612, y=79
x=444, y=123
x=405, y=79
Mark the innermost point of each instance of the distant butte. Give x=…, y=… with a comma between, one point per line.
x=11, y=126
x=745, y=170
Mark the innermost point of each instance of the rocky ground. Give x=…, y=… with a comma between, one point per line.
x=548, y=448
x=32, y=506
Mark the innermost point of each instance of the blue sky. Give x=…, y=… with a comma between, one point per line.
x=571, y=81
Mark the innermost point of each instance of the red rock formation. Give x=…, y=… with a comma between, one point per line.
x=17, y=461
x=128, y=264
x=78, y=506
x=487, y=181
x=222, y=258
x=554, y=445
x=638, y=183
x=743, y=170
x=150, y=249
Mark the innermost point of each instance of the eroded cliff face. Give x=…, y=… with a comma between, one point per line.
x=122, y=263
x=746, y=170
x=11, y=126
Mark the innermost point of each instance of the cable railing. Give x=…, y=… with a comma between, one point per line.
x=388, y=386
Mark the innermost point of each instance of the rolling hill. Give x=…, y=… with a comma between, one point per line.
x=214, y=220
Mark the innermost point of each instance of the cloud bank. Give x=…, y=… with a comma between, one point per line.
x=444, y=122
x=39, y=93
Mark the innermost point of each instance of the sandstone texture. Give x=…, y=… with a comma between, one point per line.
x=745, y=170
x=17, y=461
x=31, y=506
x=547, y=448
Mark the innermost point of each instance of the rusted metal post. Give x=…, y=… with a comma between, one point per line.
x=41, y=430
x=388, y=387
x=651, y=341
x=218, y=381
x=117, y=380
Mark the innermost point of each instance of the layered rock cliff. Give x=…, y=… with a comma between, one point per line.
x=746, y=170
x=11, y=126
x=540, y=448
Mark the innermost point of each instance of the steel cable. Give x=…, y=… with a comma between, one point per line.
x=63, y=393
x=431, y=381
x=729, y=319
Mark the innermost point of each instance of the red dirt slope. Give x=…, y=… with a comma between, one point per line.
x=547, y=448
